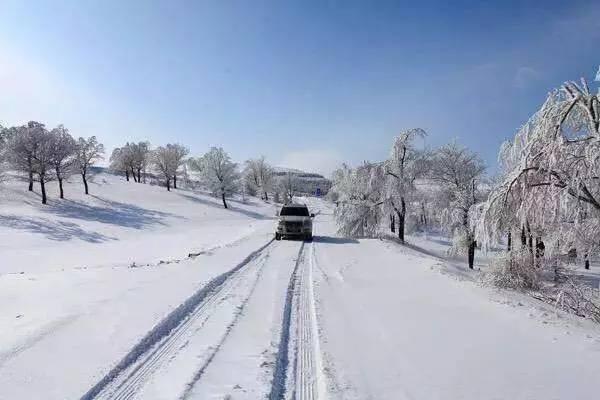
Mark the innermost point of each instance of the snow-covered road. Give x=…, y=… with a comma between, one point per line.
x=249, y=333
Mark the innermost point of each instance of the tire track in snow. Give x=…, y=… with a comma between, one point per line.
x=309, y=377
x=306, y=381
x=166, y=338
x=198, y=375
x=280, y=372
x=179, y=340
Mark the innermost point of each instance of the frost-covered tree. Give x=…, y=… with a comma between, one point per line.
x=459, y=171
x=133, y=159
x=22, y=143
x=128, y=160
x=166, y=163
x=550, y=187
x=118, y=161
x=180, y=152
x=89, y=151
x=361, y=194
x=62, y=155
x=29, y=150
x=4, y=135
x=218, y=172
x=425, y=202
x=405, y=165
x=289, y=187
x=259, y=176
x=140, y=158
x=42, y=158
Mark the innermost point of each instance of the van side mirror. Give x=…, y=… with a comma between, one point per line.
x=312, y=215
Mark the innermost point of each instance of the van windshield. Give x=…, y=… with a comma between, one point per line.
x=295, y=211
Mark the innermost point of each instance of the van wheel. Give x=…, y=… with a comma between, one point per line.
x=309, y=237
x=277, y=236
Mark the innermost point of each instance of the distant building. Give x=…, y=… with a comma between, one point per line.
x=307, y=182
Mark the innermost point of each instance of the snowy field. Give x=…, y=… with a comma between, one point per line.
x=99, y=299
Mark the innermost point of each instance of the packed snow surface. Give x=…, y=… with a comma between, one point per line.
x=99, y=299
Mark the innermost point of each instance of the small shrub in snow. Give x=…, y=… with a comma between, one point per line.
x=575, y=298
x=460, y=244
x=519, y=270
x=513, y=270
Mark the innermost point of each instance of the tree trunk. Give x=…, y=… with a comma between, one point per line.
x=30, y=172
x=60, y=181
x=401, y=219
x=60, y=188
x=392, y=223
x=175, y=181
x=85, y=184
x=168, y=184
x=472, y=246
x=266, y=196
x=586, y=261
x=127, y=175
x=139, y=173
x=530, y=244
x=223, y=198
x=133, y=174
x=523, y=237
x=43, y=187
x=540, y=248
x=509, y=240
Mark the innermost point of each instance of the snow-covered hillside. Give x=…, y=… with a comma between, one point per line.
x=118, y=223
x=252, y=318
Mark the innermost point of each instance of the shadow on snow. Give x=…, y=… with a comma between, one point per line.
x=111, y=212
x=334, y=240
x=219, y=205
x=53, y=230
x=107, y=212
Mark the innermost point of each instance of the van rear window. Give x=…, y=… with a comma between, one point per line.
x=294, y=211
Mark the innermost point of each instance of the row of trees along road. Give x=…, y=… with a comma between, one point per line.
x=44, y=155
x=436, y=188
x=215, y=170
x=547, y=193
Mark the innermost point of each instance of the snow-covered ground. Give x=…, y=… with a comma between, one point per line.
x=118, y=224
x=394, y=327
x=252, y=318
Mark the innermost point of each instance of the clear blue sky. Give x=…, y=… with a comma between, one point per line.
x=306, y=83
